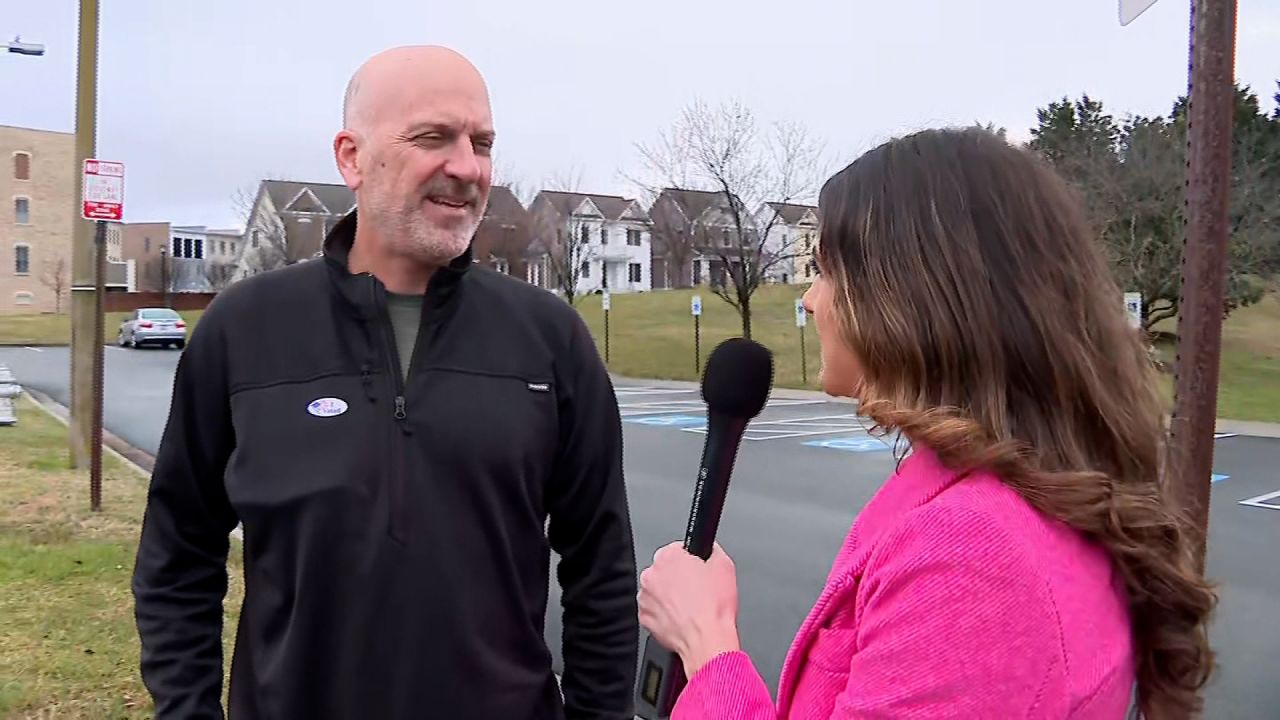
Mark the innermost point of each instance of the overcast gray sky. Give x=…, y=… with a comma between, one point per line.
x=200, y=99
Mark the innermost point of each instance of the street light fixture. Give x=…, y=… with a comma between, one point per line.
x=24, y=48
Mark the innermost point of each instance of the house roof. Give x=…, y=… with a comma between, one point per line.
x=503, y=204
x=337, y=199
x=791, y=213
x=695, y=203
x=613, y=207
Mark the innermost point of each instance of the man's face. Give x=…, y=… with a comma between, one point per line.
x=426, y=168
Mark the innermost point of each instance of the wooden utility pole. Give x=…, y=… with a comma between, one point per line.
x=83, y=249
x=1201, y=301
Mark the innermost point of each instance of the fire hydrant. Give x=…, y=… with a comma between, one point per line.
x=9, y=389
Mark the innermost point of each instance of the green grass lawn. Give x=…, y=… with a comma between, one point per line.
x=55, y=329
x=68, y=643
x=651, y=336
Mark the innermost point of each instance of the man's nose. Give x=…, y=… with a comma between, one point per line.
x=463, y=163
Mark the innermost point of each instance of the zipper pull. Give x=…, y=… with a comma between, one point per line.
x=400, y=414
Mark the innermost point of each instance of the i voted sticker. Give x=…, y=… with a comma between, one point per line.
x=327, y=407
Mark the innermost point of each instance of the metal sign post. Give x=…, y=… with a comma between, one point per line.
x=801, y=319
x=695, y=308
x=604, y=305
x=102, y=199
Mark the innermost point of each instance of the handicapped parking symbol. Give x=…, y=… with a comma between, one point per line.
x=851, y=444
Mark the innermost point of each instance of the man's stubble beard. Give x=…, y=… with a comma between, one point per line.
x=406, y=232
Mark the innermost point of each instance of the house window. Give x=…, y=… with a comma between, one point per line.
x=23, y=298
x=724, y=237
x=585, y=270
x=22, y=259
x=146, y=244
x=22, y=210
x=633, y=272
x=633, y=237
x=604, y=235
x=22, y=166
x=253, y=241
x=583, y=230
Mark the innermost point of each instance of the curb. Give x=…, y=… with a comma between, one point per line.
x=138, y=460
x=1245, y=428
x=141, y=461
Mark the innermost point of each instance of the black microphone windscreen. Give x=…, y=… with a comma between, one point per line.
x=738, y=377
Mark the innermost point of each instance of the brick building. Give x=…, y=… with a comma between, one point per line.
x=37, y=202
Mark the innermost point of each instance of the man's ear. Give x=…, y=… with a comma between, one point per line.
x=346, y=154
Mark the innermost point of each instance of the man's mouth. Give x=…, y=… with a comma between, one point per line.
x=455, y=203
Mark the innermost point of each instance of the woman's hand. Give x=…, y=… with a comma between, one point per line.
x=691, y=606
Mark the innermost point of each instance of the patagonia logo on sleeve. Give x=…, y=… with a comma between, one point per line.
x=540, y=387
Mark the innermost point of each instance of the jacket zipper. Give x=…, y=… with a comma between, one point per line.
x=396, y=488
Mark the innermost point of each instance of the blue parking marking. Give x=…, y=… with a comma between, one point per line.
x=853, y=443
x=1218, y=478
x=669, y=420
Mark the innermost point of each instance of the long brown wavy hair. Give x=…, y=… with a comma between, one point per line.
x=977, y=299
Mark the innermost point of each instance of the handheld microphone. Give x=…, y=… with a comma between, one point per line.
x=735, y=387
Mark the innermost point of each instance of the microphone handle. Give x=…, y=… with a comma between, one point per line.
x=724, y=435
x=662, y=676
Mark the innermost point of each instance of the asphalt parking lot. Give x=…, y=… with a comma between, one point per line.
x=805, y=468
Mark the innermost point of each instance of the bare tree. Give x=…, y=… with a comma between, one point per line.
x=56, y=276
x=218, y=274
x=560, y=239
x=719, y=149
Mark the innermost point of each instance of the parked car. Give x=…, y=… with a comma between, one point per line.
x=153, y=326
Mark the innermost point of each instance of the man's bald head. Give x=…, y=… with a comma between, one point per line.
x=415, y=148
x=390, y=71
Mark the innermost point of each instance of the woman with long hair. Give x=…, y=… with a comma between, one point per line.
x=1024, y=560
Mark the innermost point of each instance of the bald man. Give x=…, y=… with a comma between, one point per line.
x=405, y=437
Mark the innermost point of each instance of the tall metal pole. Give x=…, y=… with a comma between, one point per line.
x=1189, y=463
x=83, y=287
x=99, y=277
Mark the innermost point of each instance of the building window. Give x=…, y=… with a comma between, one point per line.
x=146, y=244
x=22, y=166
x=604, y=235
x=22, y=210
x=633, y=237
x=190, y=248
x=23, y=298
x=254, y=238
x=724, y=237
x=582, y=235
x=633, y=272
x=22, y=259
x=585, y=270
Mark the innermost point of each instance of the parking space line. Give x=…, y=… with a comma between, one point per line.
x=646, y=390
x=1261, y=501
x=794, y=427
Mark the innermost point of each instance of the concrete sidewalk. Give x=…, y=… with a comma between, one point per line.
x=1247, y=428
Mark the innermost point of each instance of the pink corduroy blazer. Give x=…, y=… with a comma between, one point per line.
x=951, y=598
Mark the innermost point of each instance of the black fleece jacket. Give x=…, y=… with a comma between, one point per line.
x=396, y=535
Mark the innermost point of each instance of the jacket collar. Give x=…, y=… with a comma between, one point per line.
x=363, y=291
